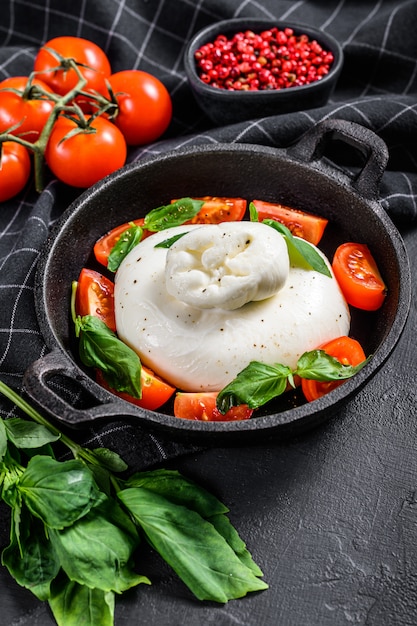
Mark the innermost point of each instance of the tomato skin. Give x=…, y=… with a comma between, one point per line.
x=103, y=246
x=302, y=224
x=145, y=106
x=30, y=114
x=95, y=296
x=85, y=158
x=82, y=51
x=15, y=167
x=348, y=351
x=219, y=209
x=155, y=391
x=201, y=406
x=359, y=278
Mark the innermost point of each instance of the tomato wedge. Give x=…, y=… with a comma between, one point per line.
x=155, y=391
x=358, y=275
x=104, y=245
x=346, y=350
x=305, y=225
x=202, y=406
x=218, y=209
x=95, y=296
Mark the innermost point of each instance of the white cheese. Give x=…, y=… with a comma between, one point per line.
x=203, y=349
x=227, y=265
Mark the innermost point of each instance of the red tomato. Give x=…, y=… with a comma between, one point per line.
x=95, y=296
x=218, y=209
x=85, y=52
x=104, y=245
x=14, y=169
x=84, y=158
x=357, y=273
x=23, y=108
x=202, y=406
x=346, y=350
x=145, y=106
x=301, y=224
x=155, y=391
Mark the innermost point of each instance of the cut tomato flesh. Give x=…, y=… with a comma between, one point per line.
x=301, y=224
x=201, y=406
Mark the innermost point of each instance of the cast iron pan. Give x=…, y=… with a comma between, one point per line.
x=303, y=176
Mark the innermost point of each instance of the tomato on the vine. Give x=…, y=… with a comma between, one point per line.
x=346, y=350
x=25, y=107
x=92, y=62
x=155, y=391
x=82, y=159
x=201, y=406
x=145, y=106
x=15, y=169
x=358, y=275
x=95, y=296
x=302, y=224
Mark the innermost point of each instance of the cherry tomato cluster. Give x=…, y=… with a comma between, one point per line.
x=272, y=59
x=76, y=115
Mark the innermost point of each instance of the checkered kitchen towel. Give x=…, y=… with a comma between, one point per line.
x=377, y=88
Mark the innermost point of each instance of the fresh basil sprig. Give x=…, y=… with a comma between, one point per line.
x=73, y=535
x=127, y=241
x=100, y=347
x=259, y=383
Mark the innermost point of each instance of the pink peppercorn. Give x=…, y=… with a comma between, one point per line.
x=272, y=59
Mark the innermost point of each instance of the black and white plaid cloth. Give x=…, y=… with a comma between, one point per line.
x=377, y=88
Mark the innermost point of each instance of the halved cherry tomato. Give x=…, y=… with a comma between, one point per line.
x=346, y=350
x=302, y=224
x=14, y=169
x=95, y=296
x=359, y=278
x=24, y=107
x=155, y=391
x=219, y=209
x=104, y=245
x=202, y=406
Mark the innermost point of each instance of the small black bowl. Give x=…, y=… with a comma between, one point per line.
x=227, y=107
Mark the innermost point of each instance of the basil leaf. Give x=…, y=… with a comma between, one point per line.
x=173, y=214
x=225, y=528
x=109, y=459
x=253, y=213
x=255, y=385
x=58, y=492
x=318, y=365
x=100, y=347
x=73, y=604
x=97, y=550
x=127, y=241
x=199, y=555
x=3, y=439
x=179, y=490
x=167, y=243
x=25, y=434
x=32, y=561
x=301, y=252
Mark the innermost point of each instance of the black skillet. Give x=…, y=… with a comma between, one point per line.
x=303, y=176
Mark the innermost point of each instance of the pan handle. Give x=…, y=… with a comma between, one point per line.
x=312, y=145
x=40, y=373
